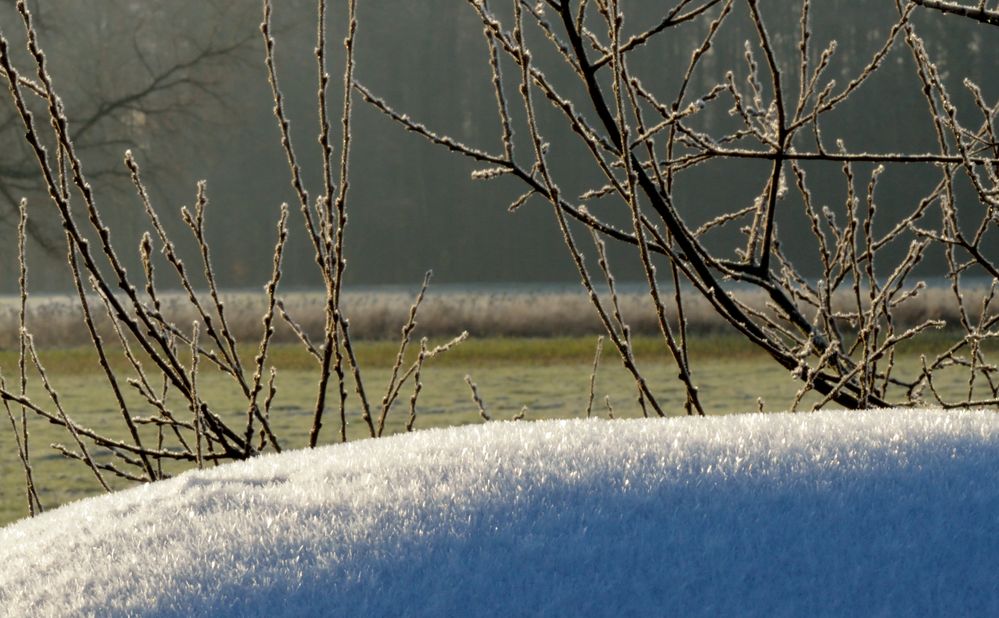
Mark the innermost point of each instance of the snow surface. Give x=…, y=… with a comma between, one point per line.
x=886, y=513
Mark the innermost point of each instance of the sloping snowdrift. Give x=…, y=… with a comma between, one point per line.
x=874, y=513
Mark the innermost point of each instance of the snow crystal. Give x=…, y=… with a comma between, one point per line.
x=833, y=513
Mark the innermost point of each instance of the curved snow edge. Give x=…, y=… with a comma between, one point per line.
x=829, y=513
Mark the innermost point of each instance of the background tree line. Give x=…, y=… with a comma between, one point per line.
x=135, y=72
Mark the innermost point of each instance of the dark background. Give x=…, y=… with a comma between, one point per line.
x=413, y=206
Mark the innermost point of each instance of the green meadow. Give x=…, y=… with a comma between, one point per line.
x=550, y=376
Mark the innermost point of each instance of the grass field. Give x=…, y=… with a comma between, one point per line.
x=548, y=375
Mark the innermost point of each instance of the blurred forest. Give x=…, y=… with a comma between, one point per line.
x=183, y=85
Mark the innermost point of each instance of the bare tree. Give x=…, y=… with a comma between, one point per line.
x=175, y=423
x=133, y=74
x=838, y=332
x=976, y=11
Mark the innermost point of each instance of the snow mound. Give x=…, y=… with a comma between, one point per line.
x=834, y=513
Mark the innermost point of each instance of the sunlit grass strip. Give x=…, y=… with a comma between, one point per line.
x=77, y=360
